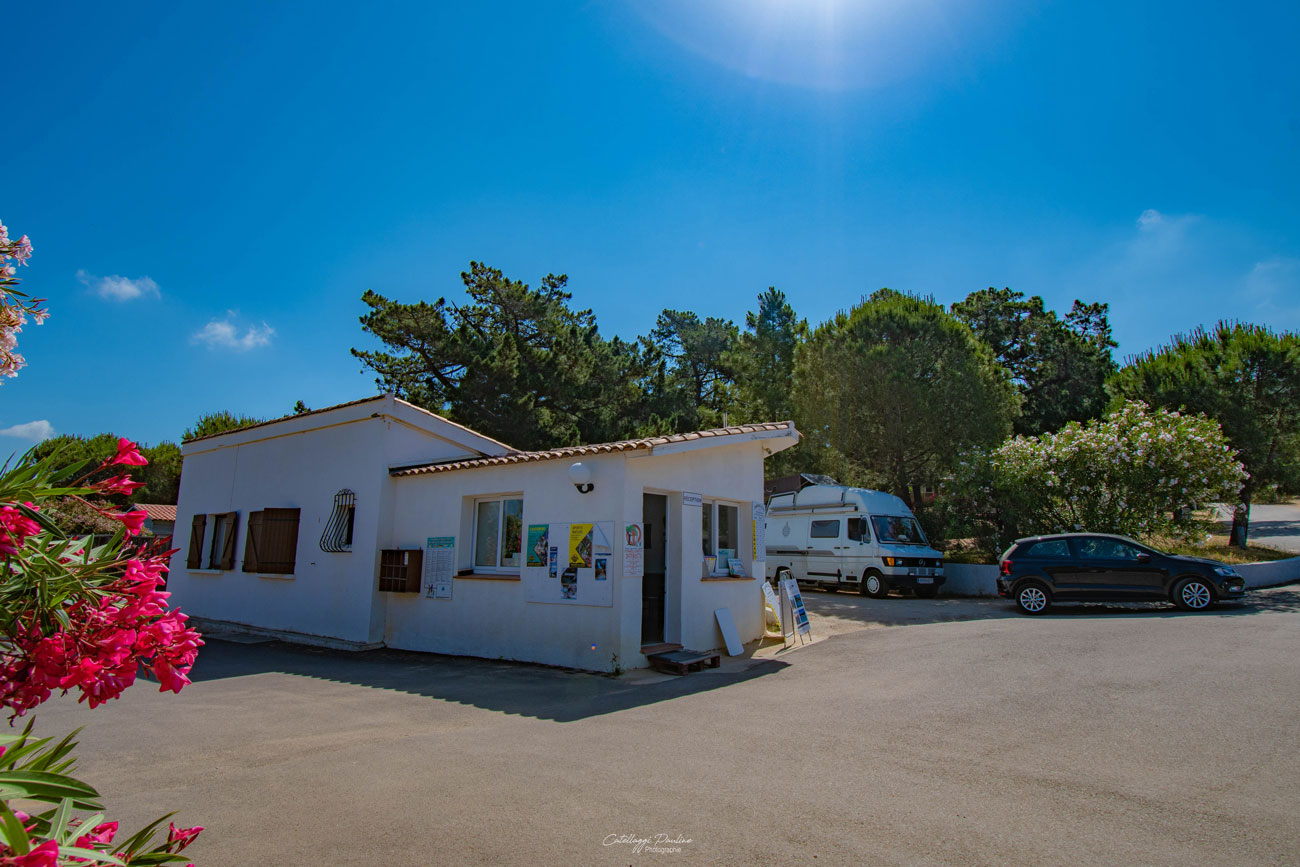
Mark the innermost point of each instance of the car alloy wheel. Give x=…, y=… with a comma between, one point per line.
x=1032, y=599
x=1194, y=595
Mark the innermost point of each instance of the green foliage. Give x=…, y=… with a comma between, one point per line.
x=161, y=476
x=693, y=386
x=891, y=392
x=763, y=365
x=218, y=422
x=299, y=407
x=1137, y=472
x=1059, y=367
x=516, y=363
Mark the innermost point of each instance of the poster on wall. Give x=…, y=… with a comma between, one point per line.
x=760, y=532
x=633, y=550
x=603, y=535
x=439, y=564
x=537, y=544
x=575, y=572
x=580, y=542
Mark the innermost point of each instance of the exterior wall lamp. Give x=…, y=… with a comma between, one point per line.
x=580, y=475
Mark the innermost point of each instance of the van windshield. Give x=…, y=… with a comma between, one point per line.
x=898, y=529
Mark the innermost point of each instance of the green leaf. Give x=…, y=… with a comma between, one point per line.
x=15, y=835
x=47, y=787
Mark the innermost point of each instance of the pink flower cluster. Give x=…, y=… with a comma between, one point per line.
x=15, y=528
x=15, y=307
x=98, y=839
x=126, y=625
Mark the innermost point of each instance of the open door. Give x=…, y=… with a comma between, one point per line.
x=654, y=512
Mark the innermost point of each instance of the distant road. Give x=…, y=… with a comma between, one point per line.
x=1276, y=527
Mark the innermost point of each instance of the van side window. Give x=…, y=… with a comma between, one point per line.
x=858, y=530
x=825, y=530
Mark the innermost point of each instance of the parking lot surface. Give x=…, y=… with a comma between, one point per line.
x=1092, y=735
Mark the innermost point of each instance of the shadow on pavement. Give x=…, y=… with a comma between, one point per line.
x=1277, y=600
x=562, y=695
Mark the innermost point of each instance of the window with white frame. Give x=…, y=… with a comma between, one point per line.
x=498, y=534
x=720, y=528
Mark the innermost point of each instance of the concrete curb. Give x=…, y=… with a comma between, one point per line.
x=218, y=628
x=968, y=579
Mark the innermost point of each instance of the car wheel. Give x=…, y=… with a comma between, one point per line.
x=927, y=592
x=1033, y=598
x=1193, y=594
x=873, y=585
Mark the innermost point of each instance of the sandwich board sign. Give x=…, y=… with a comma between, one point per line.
x=794, y=617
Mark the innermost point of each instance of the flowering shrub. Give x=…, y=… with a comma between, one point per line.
x=74, y=616
x=1137, y=472
x=15, y=306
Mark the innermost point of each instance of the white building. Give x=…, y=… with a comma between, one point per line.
x=378, y=523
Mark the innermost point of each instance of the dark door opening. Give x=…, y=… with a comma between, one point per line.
x=654, y=512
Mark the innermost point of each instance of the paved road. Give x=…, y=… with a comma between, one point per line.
x=1099, y=735
x=1276, y=526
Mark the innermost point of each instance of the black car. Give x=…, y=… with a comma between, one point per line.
x=1098, y=567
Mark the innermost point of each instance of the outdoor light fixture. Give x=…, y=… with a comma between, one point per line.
x=580, y=475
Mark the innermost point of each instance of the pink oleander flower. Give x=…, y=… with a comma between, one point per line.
x=133, y=521
x=128, y=453
x=22, y=250
x=181, y=836
x=102, y=834
x=122, y=484
x=44, y=855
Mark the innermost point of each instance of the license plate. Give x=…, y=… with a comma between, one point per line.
x=924, y=580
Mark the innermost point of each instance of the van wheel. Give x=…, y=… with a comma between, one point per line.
x=873, y=585
x=927, y=592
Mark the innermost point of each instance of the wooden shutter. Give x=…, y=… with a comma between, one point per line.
x=278, y=546
x=251, y=544
x=414, y=566
x=228, y=545
x=400, y=571
x=195, y=558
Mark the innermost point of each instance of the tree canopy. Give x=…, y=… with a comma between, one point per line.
x=218, y=422
x=515, y=363
x=1059, y=367
x=893, y=390
x=1246, y=377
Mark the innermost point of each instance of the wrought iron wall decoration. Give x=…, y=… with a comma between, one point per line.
x=337, y=537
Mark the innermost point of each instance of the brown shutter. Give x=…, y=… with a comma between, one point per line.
x=252, y=543
x=278, y=546
x=414, y=564
x=228, y=545
x=195, y=558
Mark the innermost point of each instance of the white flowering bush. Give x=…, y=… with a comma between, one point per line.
x=1138, y=472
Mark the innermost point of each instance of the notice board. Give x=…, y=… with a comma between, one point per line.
x=579, y=567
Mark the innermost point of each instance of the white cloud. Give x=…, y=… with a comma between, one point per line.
x=32, y=430
x=117, y=288
x=225, y=334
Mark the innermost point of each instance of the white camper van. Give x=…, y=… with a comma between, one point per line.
x=837, y=537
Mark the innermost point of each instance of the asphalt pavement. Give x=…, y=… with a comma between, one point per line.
x=1276, y=526
x=1096, y=735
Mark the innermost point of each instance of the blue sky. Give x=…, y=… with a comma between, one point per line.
x=209, y=189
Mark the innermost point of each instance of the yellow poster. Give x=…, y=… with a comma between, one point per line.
x=580, y=545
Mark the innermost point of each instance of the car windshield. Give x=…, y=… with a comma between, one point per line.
x=899, y=529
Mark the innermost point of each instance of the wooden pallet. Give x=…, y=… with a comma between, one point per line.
x=683, y=661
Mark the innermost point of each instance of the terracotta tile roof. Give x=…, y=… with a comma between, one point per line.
x=158, y=511
x=596, y=449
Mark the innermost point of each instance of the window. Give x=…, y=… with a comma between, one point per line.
x=219, y=552
x=720, y=529
x=858, y=531
x=825, y=530
x=498, y=534
x=1052, y=549
x=337, y=535
x=897, y=528
x=1092, y=548
x=272, y=544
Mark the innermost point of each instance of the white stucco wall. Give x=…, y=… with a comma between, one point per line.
x=329, y=594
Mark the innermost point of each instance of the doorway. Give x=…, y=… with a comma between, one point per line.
x=654, y=512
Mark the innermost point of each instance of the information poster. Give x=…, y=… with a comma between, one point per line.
x=538, y=541
x=794, y=617
x=555, y=561
x=603, y=537
x=580, y=543
x=633, y=550
x=760, y=532
x=439, y=566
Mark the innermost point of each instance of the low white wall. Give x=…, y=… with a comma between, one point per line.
x=1273, y=574
x=970, y=579
x=966, y=579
